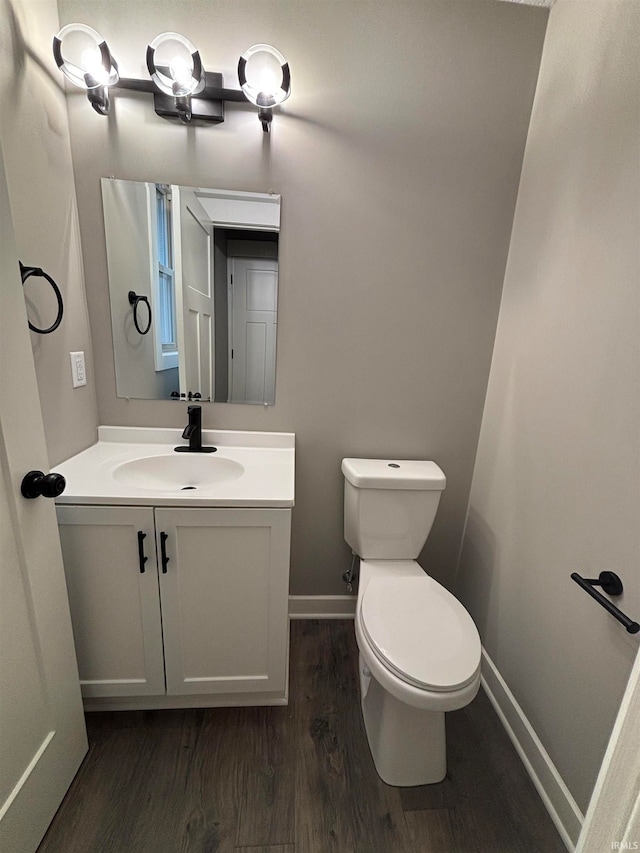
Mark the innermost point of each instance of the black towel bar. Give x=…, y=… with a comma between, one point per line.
x=610, y=583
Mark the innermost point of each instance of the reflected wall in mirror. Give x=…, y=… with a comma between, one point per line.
x=204, y=263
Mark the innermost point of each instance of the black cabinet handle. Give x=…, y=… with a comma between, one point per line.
x=35, y=483
x=141, y=556
x=163, y=551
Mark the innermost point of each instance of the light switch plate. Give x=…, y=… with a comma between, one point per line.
x=78, y=370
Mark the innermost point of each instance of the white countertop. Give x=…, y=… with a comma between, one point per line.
x=268, y=459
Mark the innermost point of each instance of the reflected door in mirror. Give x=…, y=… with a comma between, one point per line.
x=253, y=323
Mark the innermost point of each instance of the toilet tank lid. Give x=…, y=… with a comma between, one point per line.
x=394, y=474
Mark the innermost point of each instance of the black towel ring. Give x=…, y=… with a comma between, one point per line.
x=135, y=299
x=25, y=272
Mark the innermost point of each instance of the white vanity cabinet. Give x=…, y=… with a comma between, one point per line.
x=224, y=597
x=115, y=607
x=178, y=607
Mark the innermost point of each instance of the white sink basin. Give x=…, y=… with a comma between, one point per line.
x=180, y=472
x=137, y=466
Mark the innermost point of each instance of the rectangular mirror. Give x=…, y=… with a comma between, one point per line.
x=193, y=287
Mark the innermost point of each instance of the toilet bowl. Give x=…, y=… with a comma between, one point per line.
x=419, y=649
x=419, y=657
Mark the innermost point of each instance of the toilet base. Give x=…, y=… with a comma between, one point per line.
x=407, y=744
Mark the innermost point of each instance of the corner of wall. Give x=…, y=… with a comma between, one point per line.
x=37, y=153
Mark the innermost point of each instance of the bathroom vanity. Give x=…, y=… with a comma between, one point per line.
x=177, y=568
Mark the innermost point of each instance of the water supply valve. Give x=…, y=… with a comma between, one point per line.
x=351, y=574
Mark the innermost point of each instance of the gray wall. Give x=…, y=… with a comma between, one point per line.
x=557, y=478
x=34, y=130
x=398, y=158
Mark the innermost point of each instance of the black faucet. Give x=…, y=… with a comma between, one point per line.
x=193, y=431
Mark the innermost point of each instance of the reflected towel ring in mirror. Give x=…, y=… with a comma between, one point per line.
x=25, y=273
x=135, y=299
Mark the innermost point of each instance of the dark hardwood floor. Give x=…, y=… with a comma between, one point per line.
x=296, y=779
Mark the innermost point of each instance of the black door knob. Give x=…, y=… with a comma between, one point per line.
x=35, y=483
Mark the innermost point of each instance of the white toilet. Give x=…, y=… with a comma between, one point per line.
x=419, y=648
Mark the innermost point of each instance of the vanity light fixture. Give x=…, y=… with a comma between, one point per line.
x=265, y=79
x=179, y=83
x=87, y=62
x=175, y=67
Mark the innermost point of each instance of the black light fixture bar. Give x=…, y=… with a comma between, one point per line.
x=207, y=105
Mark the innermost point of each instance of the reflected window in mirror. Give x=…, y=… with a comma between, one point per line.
x=166, y=339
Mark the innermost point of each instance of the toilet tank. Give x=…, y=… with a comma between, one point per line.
x=389, y=506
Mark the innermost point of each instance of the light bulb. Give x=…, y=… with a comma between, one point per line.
x=180, y=70
x=264, y=73
x=92, y=64
x=175, y=65
x=264, y=76
x=84, y=57
x=268, y=81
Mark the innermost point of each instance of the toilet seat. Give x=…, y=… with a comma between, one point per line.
x=420, y=632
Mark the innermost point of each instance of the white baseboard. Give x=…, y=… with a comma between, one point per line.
x=555, y=795
x=322, y=606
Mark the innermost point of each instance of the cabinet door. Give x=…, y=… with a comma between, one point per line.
x=115, y=607
x=225, y=599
